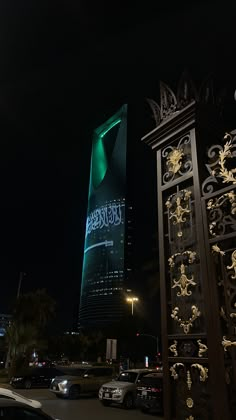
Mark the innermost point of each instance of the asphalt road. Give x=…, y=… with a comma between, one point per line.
x=86, y=408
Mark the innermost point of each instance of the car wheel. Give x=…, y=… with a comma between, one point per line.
x=106, y=403
x=74, y=392
x=27, y=384
x=128, y=401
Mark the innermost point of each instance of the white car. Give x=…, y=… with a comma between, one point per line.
x=122, y=390
x=11, y=395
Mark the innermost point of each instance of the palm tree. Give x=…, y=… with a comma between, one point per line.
x=35, y=308
x=30, y=316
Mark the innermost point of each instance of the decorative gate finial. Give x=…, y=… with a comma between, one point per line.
x=170, y=103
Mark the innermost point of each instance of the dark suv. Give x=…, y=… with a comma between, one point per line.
x=87, y=381
x=39, y=377
x=150, y=392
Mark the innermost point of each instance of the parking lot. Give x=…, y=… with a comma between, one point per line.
x=86, y=408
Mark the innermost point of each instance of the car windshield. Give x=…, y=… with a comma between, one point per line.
x=127, y=377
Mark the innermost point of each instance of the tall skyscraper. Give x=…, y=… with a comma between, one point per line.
x=103, y=264
x=114, y=227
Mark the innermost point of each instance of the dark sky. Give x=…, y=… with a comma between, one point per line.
x=66, y=66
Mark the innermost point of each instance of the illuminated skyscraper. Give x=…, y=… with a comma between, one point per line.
x=102, y=288
x=119, y=226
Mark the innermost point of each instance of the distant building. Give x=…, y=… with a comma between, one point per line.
x=5, y=321
x=117, y=227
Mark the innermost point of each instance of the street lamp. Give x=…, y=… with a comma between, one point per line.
x=132, y=300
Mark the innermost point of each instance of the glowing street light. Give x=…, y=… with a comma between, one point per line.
x=132, y=300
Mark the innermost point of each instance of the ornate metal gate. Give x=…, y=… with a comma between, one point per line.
x=197, y=251
x=219, y=210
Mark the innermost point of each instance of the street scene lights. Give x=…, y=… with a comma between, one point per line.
x=132, y=300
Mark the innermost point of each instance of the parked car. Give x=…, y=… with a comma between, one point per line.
x=88, y=381
x=123, y=390
x=11, y=395
x=39, y=377
x=150, y=392
x=10, y=409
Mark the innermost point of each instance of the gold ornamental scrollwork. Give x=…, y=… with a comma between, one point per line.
x=233, y=265
x=174, y=160
x=173, y=348
x=189, y=402
x=220, y=214
x=190, y=418
x=189, y=381
x=178, y=214
x=203, y=371
x=173, y=370
x=190, y=254
x=183, y=282
x=202, y=348
x=227, y=343
x=186, y=324
x=218, y=202
x=218, y=160
x=226, y=153
x=223, y=314
x=177, y=159
x=216, y=248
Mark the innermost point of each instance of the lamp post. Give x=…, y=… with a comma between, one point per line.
x=132, y=300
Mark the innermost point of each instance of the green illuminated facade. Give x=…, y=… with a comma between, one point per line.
x=102, y=288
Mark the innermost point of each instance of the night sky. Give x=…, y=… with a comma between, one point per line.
x=67, y=66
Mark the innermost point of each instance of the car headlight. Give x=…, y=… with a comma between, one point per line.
x=64, y=383
x=117, y=391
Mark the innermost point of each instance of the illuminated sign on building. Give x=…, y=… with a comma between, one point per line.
x=110, y=214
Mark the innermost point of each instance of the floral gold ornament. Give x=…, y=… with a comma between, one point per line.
x=227, y=343
x=173, y=370
x=216, y=248
x=191, y=255
x=173, y=348
x=174, y=160
x=211, y=228
x=219, y=157
x=227, y=152
x=186, y=324
x=177, y=159
x=202, y=348
x=203, y=371
x=222, y=211
x=218, y=202
x=176, y=201
x=179, y=212
x=190, y=418
x=233, y=265
x=189, y=381
x=189, y=402
x=222, y=313
x=232, y=315
x=183, y=282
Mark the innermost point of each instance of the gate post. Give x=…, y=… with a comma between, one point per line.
x=193, y=356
